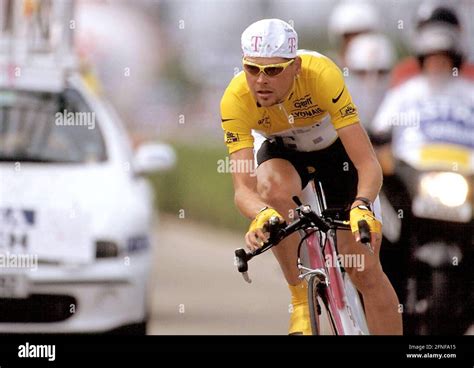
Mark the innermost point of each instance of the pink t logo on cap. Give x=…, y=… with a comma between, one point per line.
x=292, y=43
x=255, y=42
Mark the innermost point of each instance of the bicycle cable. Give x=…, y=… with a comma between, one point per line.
x=320, y=240
x=303, y=239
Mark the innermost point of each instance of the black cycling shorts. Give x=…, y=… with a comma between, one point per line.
x=331, y=166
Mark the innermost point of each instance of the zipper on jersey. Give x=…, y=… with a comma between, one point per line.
x=289, y=117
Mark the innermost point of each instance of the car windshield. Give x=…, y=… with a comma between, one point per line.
x=48, y=127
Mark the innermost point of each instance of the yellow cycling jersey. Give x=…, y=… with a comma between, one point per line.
x=317, y=105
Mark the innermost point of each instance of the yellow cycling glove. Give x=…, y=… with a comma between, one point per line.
x=262, y=217
x=360, y=213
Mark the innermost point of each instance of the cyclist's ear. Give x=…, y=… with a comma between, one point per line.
x=297, y=65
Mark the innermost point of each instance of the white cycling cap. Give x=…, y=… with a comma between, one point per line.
x=270, y=38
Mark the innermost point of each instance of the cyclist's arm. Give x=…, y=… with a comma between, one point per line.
x=246, y=196
x=360, y=151
x=336, y=99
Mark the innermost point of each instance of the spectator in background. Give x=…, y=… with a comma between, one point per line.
x=434, y=96
x=347, y=20
x=369, y=58
x=430, y=14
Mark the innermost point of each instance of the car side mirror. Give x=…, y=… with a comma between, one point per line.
x=152, y=157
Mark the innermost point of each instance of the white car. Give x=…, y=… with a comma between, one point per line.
x=76, y=214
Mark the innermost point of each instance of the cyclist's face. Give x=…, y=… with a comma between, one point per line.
x=267, y=90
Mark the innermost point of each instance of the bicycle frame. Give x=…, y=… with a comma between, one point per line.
x=345, y=310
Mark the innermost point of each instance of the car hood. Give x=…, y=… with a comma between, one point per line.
x=51, y=210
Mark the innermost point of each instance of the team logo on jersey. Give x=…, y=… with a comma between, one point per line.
x=334, y=100
x=347, y=110
x=305, y=108
x=309, y=113
x=265, y=121
x=303, y=102
x=231, y=137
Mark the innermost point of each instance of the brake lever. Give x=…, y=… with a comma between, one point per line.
x=364, y=233
x=369, y=247
x=246, y=277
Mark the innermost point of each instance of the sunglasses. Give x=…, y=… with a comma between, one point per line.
x=270, y=70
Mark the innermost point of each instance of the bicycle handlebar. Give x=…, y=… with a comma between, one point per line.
x=307, y=219
x=277, y=234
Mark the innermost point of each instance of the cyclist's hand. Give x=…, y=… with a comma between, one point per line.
x=256, y=236
x=363, y=213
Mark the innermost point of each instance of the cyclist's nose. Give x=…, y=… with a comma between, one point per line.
x=261, y=78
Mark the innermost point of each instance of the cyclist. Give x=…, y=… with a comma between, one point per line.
x=300, y=104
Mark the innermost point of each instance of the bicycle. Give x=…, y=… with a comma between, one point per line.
x=328, y=284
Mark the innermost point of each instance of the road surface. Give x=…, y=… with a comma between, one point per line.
x=196, y=289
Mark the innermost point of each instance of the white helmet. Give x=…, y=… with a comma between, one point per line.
x=370, y=51
x=353, y=17
x=439, y=37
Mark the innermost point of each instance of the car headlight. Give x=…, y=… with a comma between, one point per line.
x=442, y=196
x=449, y=188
